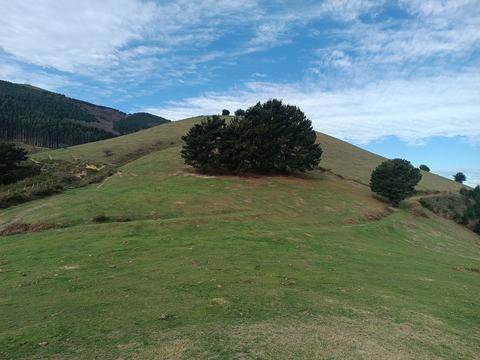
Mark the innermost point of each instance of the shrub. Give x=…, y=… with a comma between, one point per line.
x=108, y=152
x=11, y=168
x=395, y=179
x=240, y=112
x=477, y=228
x=100, y=218
x=424, y=168
x=225, y=112
x=271, y=137
x=460, y=177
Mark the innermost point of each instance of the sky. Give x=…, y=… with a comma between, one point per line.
x=399, y=78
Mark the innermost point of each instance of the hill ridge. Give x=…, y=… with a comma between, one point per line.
x=44, y=118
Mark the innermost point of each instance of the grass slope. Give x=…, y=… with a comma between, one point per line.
x=227, y=267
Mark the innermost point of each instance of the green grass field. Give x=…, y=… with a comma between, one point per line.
x=200, y=267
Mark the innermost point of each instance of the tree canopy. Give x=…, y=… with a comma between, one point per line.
x=424, y=168
x=271, y=137
x=460, y=177
x=11, y=158
x=395, y=179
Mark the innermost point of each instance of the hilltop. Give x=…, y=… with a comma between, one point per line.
x=157, y=261
x=42, y=118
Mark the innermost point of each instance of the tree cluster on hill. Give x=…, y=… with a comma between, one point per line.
x=424, y=168
x=270, y=137
x=395, y=179
x=136, y=122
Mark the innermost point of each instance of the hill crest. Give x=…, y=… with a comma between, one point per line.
x=40, y=117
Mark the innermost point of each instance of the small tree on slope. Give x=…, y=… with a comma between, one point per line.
x=395, y=179
x=460, y=177
x=10, y=159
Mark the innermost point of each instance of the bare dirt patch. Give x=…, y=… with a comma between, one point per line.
x=251, y=178
x=465, y=269
x=23, y=228
x=376, y=215
x=418, y=211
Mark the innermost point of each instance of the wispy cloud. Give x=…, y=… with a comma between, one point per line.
x=16, y=73
x=71, y=35
x=413, y=109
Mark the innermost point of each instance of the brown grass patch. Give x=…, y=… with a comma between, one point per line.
x=464, y=269
x=259, y=179
x=22, y=228
x=351, y=222
x=376, y=215
x=418, y=211
x=371, y=338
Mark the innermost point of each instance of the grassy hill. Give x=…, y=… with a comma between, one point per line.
x=157, y=262
x=42, y=118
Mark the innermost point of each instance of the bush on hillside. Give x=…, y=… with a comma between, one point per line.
x=477, y=228
x=12, y=167
x=424, y=168
x=395, y=179
x=240, y=112
x=460, y=177
x=271, y=137
x=225, y=112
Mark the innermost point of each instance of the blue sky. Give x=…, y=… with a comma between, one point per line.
x=400, y=78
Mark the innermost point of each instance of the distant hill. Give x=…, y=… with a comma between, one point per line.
x=42, y=118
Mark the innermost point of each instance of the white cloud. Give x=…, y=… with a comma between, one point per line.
x=69, y=35
x=89, y=36
x=440, y=28
x=15, y=73
x=413, y=109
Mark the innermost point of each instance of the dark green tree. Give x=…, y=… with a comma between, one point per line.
x=225, y=112
x=202, y=144
x=395, y=179
x=239, y=112
x=460, y=177
x=277, y=137
x=424, y=168
x=477, y=228
x=11, y=158
x=271, y=137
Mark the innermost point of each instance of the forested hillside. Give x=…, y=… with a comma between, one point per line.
x=42, y=118
x=137, y=122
